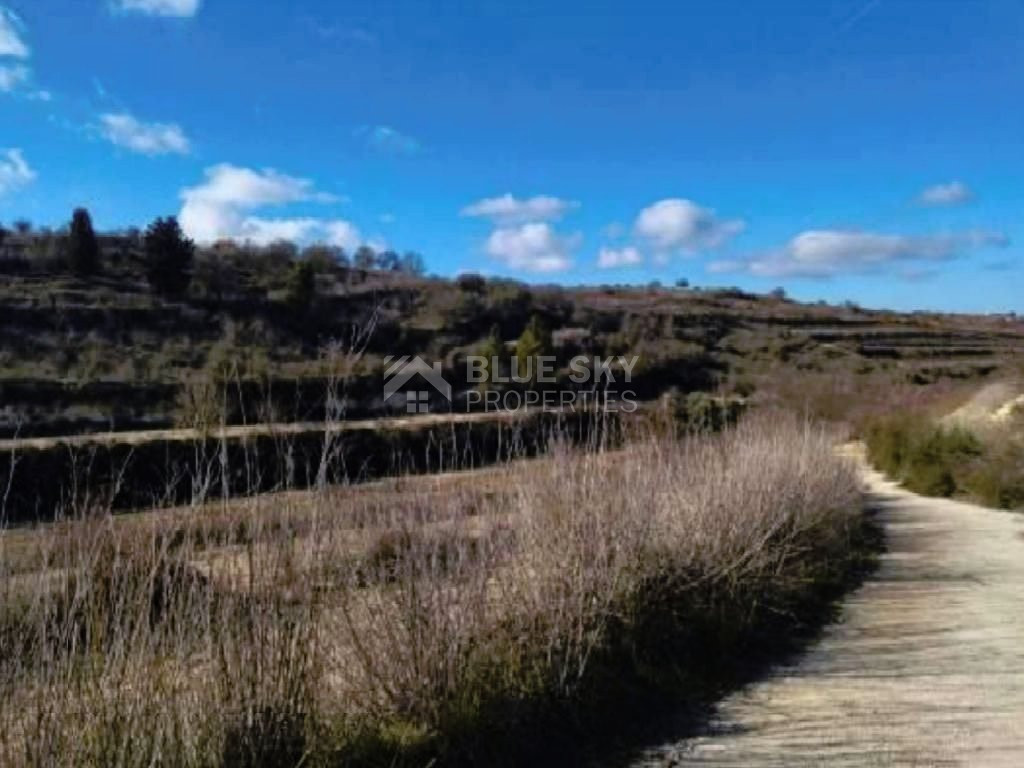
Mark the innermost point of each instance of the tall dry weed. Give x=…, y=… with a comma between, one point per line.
x=301, y=630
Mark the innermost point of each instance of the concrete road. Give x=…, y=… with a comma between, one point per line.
x=925, y=667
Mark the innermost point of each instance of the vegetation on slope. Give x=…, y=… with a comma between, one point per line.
x=154, y=329
x=472, y=626
x=981, y=461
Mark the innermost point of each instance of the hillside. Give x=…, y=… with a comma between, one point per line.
x=107, y=352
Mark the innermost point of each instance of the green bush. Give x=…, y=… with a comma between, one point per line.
x=943, y=461
x=999, y=480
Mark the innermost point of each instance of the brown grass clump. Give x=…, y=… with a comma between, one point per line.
x=410, y=627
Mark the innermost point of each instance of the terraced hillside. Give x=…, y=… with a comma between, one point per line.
x=108, y=353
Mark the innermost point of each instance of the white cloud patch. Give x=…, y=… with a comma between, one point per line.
x=507, y=210
x=124, y=130
x=12, y=77
x=677, y=225
x=532, y=247
x=223, y=206
x=953, y=193
x=346, y=235
x=15, y=172
x=178, y=8
x=829, y=253
x=388, y=140
x=11, y=41
x=612, y=258
x=13, y=74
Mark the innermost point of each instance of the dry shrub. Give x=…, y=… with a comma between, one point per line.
x=455, y=638
x=399, y=627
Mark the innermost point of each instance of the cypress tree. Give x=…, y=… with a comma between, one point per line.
x=83, y=247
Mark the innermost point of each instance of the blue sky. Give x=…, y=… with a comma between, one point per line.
x=845, y=149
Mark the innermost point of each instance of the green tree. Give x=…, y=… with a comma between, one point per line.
x=301, y=291
x=214, y=276
x=325, y=257
x=169, y=256
x=471, y=282
x=491, y=350
x=365, y=258
x=389, y=261
x=412, y=263
x=83, y=247
x=534, y=342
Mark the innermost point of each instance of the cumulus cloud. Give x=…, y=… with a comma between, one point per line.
x=683, y=226
x=508, y=210
x=953, y=193
x=179, y=8
x=828, y=253
x=346, y=235
x=14, y=171
x=388, y=140
x=223, y=206
x=610, y=258
x=12, y=77
x=532, y=247
x=11, y=41
x=124, y=130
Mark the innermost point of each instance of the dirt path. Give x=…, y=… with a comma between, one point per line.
x=925, y=667
x=255, y=430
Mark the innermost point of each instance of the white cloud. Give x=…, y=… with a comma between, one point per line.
x=953, y=193
x=610, y=258
x=11, y=42
x=222, y=206
x=124, y=130
x=384, y=138
x=14, y=171
x=828, y=253
x=508, y=210
x=12, y=77
x=682, y=225
x=346, y=235
x=180, y=8
x=532, y=247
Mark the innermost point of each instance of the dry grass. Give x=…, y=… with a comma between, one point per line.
x=398, y=626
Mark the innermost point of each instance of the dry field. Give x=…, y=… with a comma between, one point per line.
x=404, y=621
